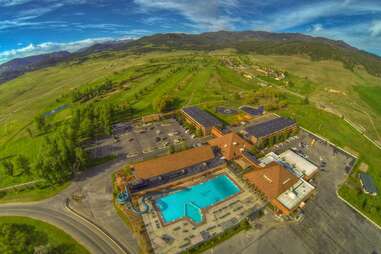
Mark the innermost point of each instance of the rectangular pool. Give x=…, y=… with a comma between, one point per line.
x=190, y=201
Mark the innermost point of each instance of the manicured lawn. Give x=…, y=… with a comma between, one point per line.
x=57, y=239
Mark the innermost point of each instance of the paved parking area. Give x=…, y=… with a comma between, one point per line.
x=329, y=225
x=138, y=140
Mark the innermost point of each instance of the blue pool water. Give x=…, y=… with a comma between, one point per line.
x=190, y=201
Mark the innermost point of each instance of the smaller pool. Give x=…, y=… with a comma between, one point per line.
x=190, y=201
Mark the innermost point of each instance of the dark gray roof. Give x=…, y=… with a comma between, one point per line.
x=266, y=128
x=253, y=111
x=368, y=184
x=248, y=155
x=202, y=117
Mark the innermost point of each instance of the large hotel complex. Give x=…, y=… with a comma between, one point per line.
x=187, y=197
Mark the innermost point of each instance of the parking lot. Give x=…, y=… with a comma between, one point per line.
x=138, y=140
x=329, y=225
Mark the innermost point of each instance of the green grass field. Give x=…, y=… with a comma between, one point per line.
x=371, y=96
x=328, y=84
x=195, y=78
x=56, y=238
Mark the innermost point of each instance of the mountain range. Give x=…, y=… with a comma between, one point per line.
x=266, y=43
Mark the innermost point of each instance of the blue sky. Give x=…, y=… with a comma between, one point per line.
x=30, y=27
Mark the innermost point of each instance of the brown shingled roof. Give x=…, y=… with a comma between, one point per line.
x=230, y=145
x=172, y=162
x=272, y=180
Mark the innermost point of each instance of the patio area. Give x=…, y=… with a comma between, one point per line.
x=183, y=234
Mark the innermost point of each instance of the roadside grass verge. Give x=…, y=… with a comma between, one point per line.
x=36, y=193
x=57, y=239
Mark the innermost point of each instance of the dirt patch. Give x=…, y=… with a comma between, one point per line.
x=363, y=167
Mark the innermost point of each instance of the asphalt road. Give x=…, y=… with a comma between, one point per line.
x=54, y=211
x=85, y=233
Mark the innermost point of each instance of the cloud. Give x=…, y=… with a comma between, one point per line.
x=48, y=47
x=7, y=3
x=357, y=35
x=375, y=28
x=316, y=28
x=210, y=15
x=295, y=16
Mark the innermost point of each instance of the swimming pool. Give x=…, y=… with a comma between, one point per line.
x=189, y=202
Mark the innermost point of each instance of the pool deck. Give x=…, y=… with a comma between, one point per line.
x=203, y=210
x=183, y=234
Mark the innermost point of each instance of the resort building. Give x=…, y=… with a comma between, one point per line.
x=160, y=172
x=201, y=119
x=304, y=167
x=367, y=184
x=231, y=145
x=263, y=131
x=295, y=163
x=251, y=111
x=285, y=191
x=251, y=159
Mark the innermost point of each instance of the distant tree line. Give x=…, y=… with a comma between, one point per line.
x=165, y=103
x=89, y=93
x=61, y=154
x=269, y=97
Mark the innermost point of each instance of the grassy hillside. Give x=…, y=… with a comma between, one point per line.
x=200, y=78
x=336, y=89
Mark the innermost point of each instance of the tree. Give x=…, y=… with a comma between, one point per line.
x=306, y=100
x=53, y=164
x=81, y=158
x=22, y=164
x=87, y=128
x=20, y=238
x=105, y=119
x=40, y=122
x=164, y=103
x=29, y=132
x=171, y=148
x=8, y=166
x=198, y=132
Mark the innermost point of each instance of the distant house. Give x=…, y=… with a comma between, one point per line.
x=264, y=130
x=201, y=119
x=251, y=111
x=367, y=184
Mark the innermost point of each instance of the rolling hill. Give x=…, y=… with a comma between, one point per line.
x=258, y=42
x=19, y=66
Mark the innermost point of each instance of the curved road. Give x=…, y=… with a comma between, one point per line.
x=85, y=233
x=55, y=211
